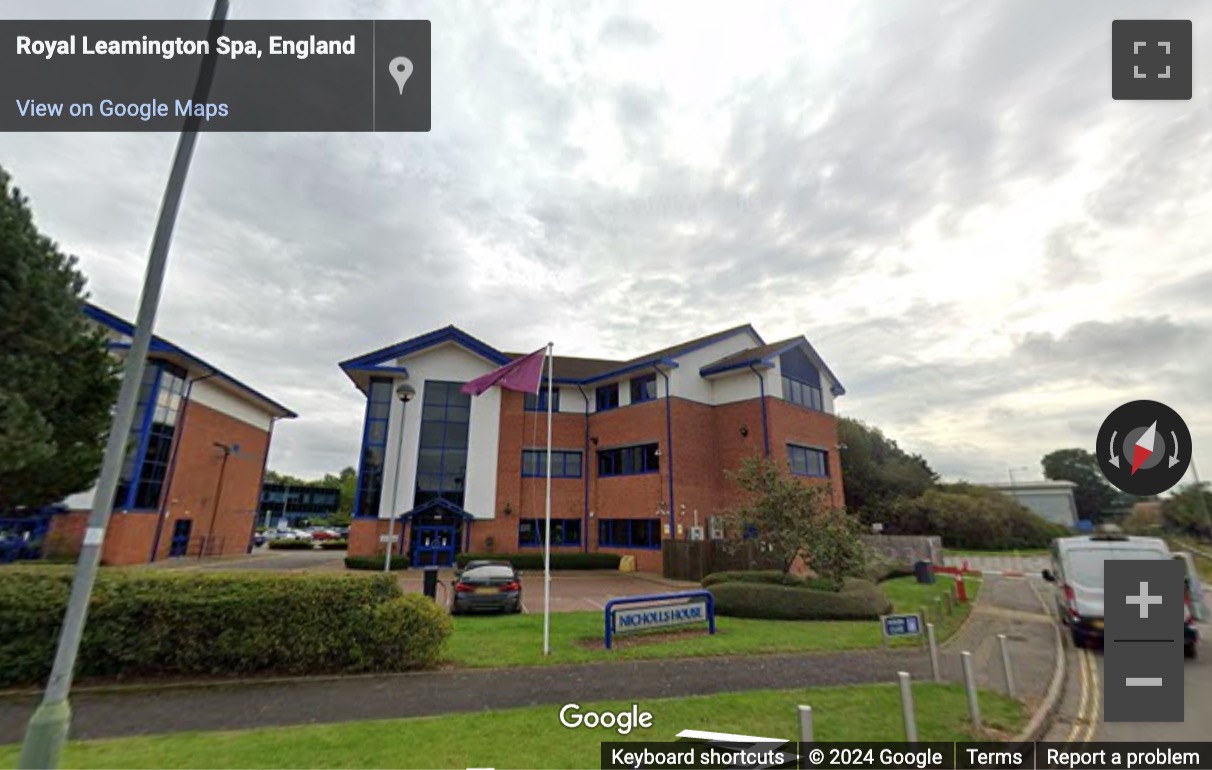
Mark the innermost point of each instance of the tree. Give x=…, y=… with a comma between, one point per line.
x=1188, y=511
x=1093, y=495
x=877, y=472
x=58, y=382
x=792, y=518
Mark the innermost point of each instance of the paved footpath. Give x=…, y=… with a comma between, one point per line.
x=99, y=714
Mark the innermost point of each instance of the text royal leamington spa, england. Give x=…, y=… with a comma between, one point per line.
x=167, y=49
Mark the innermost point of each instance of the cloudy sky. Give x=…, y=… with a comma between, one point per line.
x=988, y=250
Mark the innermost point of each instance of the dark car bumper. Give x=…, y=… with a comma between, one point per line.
x=506, y=601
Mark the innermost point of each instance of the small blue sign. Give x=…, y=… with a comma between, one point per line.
x=901, y=625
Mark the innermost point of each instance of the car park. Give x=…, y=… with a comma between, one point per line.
x=493, y=586
x=1077, y=573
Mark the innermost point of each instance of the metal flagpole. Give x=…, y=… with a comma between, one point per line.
x=49, y=725
x=547, y=526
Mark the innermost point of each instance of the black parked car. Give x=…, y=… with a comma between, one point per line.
x=488, y=587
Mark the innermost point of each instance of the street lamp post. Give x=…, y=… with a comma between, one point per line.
x=47, y=730
x=404, y=392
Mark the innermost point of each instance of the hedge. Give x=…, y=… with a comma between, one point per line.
x=970, y=517
x=147, y=624
x=375, y=562
x=292, y=545
x=558, y=560
x=858, y=600
x=770, y=576
x=334, y=545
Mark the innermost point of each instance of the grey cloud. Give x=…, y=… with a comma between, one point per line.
x=628, y=31
x=296, y=251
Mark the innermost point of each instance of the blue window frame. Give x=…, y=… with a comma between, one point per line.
x=629, y=533
x=442, y=455
x=145, y=467
x=374, y=447
x=806, y=461
x=643, y=389
x=565, y=464
x=802, y=393
x=607, y=396
x=531, y=532
x=538, y=403
x=629, y=461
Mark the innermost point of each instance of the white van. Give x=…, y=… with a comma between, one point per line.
x=1077, y=572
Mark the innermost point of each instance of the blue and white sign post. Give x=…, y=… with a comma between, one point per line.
x=642, y=613
x=900, y=625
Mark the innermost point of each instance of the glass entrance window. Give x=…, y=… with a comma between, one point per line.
x=442, y=452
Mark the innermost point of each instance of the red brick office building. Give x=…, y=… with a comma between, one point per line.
x=191, y=481
x=640, y=448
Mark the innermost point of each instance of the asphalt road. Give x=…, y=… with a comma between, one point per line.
x=1081, y=714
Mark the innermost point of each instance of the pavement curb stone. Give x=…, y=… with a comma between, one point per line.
x=1041, y=721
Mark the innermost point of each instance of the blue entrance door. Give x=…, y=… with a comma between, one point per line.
x=434, y=544
x=180, y=541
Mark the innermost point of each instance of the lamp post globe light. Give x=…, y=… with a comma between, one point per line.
x=405, y=393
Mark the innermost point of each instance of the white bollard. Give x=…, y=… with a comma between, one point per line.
x=806, y=724
x=1001, y=641
x=974, y=706
x=933, y=642
x=907, y=707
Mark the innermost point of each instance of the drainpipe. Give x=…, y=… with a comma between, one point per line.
x=762, y=390
x=669, y=449
x=172, y=462
x=585, y=466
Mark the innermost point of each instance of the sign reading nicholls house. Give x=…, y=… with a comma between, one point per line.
x=644, y=613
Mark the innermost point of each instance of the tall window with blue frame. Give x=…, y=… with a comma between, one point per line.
x=149, y=447
x=607, y=396
x=643, y=389
x=374, y=447
x=442, y=457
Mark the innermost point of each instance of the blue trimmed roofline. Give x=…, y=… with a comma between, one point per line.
x=370, y=362
x=768, y=361
x=161, y=345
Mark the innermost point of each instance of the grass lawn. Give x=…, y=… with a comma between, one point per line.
x=489, y=641
x=535, y=738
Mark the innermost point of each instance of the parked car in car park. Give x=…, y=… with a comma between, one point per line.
x=488, y=586
x=1077, y=572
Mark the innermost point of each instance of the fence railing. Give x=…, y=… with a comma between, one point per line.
x=694, y=559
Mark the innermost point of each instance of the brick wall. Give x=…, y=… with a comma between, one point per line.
x=708, y=442
x=195, y=480
x=190, y=494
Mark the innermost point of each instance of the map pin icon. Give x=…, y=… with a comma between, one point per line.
x=401, y=69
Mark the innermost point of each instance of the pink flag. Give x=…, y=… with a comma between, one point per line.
x=524, y=374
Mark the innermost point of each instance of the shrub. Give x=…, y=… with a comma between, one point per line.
x=375, y=562
x=407, y=629
x=880, y=569
x=334, y=545
x=771, y=577
x=558, y=560
x=292, y=545
x=968, y=517
x=858, y=600
x=151, y=624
